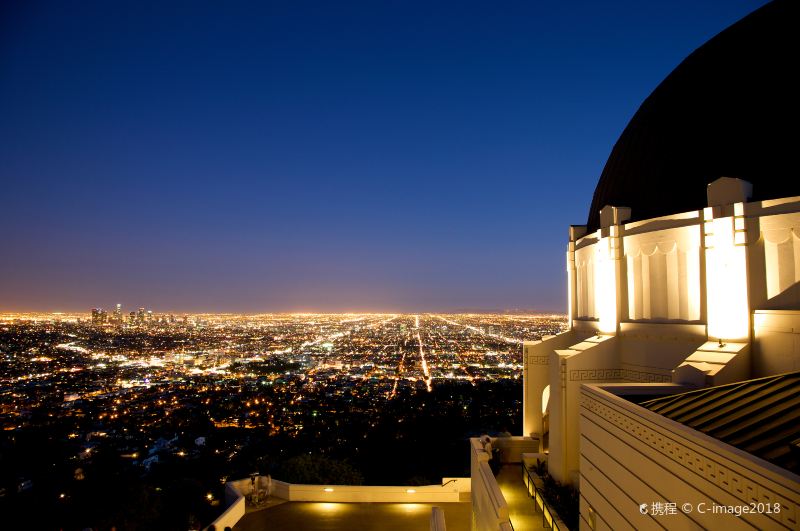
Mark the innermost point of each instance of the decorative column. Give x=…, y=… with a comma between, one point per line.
x=575, y=233
x=609, y=297
x=725, y=242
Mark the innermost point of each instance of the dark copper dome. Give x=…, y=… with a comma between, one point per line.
x=729, y=109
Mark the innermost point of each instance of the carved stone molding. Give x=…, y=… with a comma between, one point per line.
x=705, y=466
x=538, y=360
x=594, y=375
x=643, y=376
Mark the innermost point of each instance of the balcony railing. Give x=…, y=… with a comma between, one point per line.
x=534, y=484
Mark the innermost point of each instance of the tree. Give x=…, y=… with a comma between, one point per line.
x=317, y=469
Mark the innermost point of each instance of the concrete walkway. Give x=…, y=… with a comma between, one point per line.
x=521, y=508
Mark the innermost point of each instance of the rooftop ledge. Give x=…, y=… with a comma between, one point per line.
x=239, y=493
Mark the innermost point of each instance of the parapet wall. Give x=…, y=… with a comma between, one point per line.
x=236, y=493
x=633, y=459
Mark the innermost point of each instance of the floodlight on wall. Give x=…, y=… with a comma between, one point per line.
x=545, y=399
x=605, y=287
x=726, y=275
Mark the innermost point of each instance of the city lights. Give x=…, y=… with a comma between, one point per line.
x=157, y=391
x=293, y=369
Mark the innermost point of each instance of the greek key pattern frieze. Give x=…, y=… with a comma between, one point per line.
x=642, y=376
x=723, y=477
x=538, y=360
x=594, y=375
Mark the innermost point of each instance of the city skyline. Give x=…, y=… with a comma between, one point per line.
x=310, y=157
x=109, y=312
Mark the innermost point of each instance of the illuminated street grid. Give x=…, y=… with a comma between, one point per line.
x=115, y=375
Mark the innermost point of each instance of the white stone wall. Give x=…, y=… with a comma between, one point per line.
x=663, y=274
x=732, y=268
x=776, y=342
x=632, y=456
x=373, y=494
x=536, y=376
x=232, y=514
x=774, y=259
x=489, y=507
x=585, y=259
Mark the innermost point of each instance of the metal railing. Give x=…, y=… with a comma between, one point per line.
x=550, y=519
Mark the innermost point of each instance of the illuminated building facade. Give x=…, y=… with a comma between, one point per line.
x=683, y=278
x=657, y=307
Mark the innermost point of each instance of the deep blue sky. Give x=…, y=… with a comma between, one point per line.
x=378, y=155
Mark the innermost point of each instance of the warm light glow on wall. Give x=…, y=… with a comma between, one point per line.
x=326, y=507
x=545, y=399
x=570, y=290
x=726, y=279
x=605, y=288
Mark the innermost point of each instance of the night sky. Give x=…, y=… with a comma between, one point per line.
x=315, y=156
